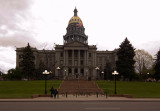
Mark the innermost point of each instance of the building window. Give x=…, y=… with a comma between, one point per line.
x=76, y=70
x=75, y=53
x=70, y=54
x=82, y=54
x=20, y=56
x=70, y=71
x=81, y=62
x=90, y=55
x=61, y=54
x=20, y=64
x=76, y=63
x=82, y=72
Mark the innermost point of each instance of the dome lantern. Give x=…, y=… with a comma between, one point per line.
x=75, y=12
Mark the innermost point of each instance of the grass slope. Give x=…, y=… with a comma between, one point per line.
x=25, y=89
x=136, y=89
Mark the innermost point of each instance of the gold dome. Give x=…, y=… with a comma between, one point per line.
x=75, y=19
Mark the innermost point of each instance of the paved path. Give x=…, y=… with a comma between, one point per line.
x=80, y=106
x=84, y=98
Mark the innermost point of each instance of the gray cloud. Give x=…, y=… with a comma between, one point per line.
x=17, y=40
x=152, y=47
x=16, y=23
x=11, y=11
x=16, y=30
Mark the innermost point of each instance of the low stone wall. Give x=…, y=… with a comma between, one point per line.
x=121, y=95
x=39, y=95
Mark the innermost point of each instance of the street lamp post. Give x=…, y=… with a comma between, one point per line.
x=45, y=73
x=97, y=68
x=115, y=73
x=102, y=74
x=58, y=68
x=65, y=74
x=148, y=75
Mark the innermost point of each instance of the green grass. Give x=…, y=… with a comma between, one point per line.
x=136, y=89
x=25, y=89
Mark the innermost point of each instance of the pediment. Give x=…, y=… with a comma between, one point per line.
x=75, y=44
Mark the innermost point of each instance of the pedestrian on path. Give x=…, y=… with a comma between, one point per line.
x=55, y=93
x=52, y=91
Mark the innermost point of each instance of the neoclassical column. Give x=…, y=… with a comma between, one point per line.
x=79, y=58
x=72, y=57
x=85, y=61
x=87, y=58
x=58, y=62
x=64, y=56
x=72, y=71
x=95, y=58
x=72, y=62
x=79, y=68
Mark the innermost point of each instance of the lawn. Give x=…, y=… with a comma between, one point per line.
x=25, y=89
x=136, y=89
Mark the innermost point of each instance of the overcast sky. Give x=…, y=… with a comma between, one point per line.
x=107, y=23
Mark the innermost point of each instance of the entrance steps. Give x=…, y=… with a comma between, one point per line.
x=79, y=87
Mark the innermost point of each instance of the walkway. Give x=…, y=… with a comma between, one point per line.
x=80, y=98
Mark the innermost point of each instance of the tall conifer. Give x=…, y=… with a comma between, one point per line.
x=28, y=66
x=157, y=66
x=125, y=63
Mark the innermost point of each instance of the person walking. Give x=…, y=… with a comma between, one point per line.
x=52, y=91
x=55, y=93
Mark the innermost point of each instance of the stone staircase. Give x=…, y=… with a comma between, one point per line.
x=79, y=87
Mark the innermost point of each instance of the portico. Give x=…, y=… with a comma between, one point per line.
x=73, y=59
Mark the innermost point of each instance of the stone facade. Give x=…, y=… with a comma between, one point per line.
x=75, y=58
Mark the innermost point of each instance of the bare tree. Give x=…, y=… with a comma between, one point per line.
x=143, y=60
x=47, y=46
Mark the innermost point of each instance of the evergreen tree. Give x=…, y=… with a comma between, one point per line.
x=125, y=63
x=28, y=66
x=14, y=74
x=108, y=71
x=157, y=66
x=40, y=70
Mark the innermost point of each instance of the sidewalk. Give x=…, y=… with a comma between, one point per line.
x=71, y=98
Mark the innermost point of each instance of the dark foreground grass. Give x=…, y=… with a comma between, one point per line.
x=25, y=89
x=136, y=89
